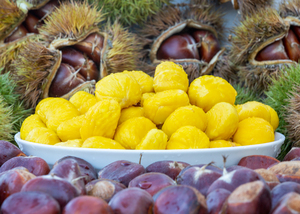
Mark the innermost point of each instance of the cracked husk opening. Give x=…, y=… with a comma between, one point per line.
x=288, y=22
x=193, y=67
x=64, y=42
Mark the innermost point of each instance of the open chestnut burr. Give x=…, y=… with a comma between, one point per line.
x=260, y=51
x=28, y=16
x=61, y=70
x=72, y=53
x=20, y=22
x=80, y=64
x=187, y=34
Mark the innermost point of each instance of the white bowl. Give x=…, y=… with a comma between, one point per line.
x=102, y=157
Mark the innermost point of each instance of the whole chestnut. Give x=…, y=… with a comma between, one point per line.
x=12, y=181
x=122, y=171
x=209, y=44
x=60, y=189
x=87, y=204
x=8, y=151
x=152, y=182
x=104, y=188
x=35, y=165
x=65, y=80
x=132, y=200
x=179, y=46
x=179, y=199
x=274, y=51
x=252, y=197
x=168, y=167
x=30, y=203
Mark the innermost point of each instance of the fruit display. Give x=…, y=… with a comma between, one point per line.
x=176, y=116
x=127, y=187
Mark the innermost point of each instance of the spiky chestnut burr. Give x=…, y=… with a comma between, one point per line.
x=12, y=110
x=30, y=70
x=77, y=54
x=5, y=119
x=24, y=17
x=19, y=23
x=120, y=48
x=290, y=8
x=188, y=34
x=129, y=12
x=245, y=95
x=261, y=45
x=42, y=71
x=10, y=16
x=225, y=69
x=281, y=96
x=293, y=117
x=124, y=53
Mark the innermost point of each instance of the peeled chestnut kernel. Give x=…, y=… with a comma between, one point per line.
x=65, y=80
x=209, y=44
x=31, y=23
x=180, y=46
x=274, y=51
x=292, y=46
x=87, y=68
x=20, y=32
x=92, y=47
